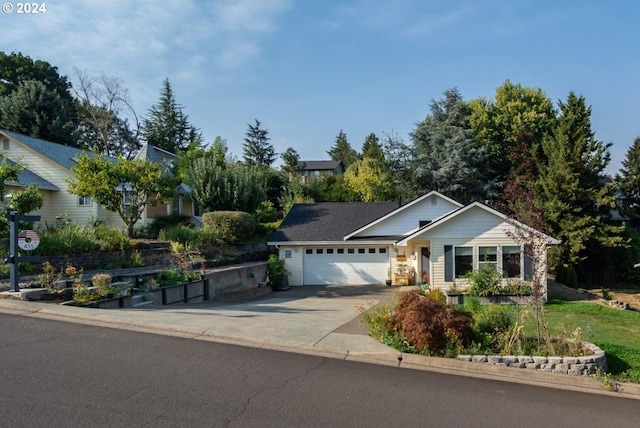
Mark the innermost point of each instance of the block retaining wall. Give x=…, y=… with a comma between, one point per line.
x=577, y=366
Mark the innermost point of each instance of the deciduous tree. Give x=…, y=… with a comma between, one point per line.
x=122, y=185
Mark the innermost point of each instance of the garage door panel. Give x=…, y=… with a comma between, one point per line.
x=354, y=268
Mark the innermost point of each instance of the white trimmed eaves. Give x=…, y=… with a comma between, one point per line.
x=436, y=223
x=402, y=208
x=331, y=243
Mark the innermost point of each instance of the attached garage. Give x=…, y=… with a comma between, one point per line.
x=345, y=265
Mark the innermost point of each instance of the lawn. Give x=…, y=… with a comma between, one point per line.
x=617, y=332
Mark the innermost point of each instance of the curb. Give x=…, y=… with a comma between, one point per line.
x=390, y=358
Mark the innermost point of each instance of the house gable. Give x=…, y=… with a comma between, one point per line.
x=472, y=221
x=409, y=217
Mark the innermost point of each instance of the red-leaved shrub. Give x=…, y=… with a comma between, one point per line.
x=429, y=325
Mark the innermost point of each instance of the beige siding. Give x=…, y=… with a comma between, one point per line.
x=293, y=264
x=409, y=219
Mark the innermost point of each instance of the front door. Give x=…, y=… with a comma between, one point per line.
x=425, y=265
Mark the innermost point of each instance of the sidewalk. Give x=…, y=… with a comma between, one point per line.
x=316, y=320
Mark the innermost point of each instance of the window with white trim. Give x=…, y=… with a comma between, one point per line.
x=511, y=261
x=84, y=201
x=487, y=257
x=463, y=261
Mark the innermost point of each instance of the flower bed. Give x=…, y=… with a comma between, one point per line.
x=586, y=365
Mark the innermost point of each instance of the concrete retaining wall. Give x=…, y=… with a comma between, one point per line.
x=579, y=366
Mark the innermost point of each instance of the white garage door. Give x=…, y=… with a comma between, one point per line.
x=362, y=265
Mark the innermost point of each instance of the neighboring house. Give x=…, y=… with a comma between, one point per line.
x=181, y=203
x=315, y=169
x=48, y=166
x=365, y=243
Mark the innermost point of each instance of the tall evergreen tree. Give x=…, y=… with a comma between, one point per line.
x=447, y=158
x=291, y=160
x=35, y=100
x=372, y=149
x=34, y=110
x=629, y=181
x=572, y=189
x=166, y=126
x=258, y=151
x=343, y=151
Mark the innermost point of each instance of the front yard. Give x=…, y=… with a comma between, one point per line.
x=615, y=331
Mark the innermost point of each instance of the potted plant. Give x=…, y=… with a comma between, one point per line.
x=389, y=281
x=278, y=274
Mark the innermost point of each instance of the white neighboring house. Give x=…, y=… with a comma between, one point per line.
x=48, y=166
x=432, y=236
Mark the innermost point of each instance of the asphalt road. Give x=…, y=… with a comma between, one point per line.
x=56, y=374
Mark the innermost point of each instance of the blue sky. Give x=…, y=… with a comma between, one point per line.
x=310, y=68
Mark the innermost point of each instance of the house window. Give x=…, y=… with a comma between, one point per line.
x=382, y=250
x=340, y=250
x=463, y=261
x=372, y=250
x=487, y=257
x=287, y=254
x=361, y=251
x=350, y=250
x=511, y=261
x=308, y=251
x=84, y=201
x=329, y=250
x=319, y=251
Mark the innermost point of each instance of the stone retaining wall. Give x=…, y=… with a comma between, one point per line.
x=578, y=366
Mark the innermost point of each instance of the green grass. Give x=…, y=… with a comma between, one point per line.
x=615, y=331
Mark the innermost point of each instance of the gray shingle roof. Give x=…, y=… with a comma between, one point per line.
x=319, y=165
x=60, y=154
x=27, y=178
x=328, y=221
x=154, y=154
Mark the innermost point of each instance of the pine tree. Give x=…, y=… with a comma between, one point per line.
x=343, y=151
x=629, y=181
x=257, y=149
x=167, y=127
x=571, y=186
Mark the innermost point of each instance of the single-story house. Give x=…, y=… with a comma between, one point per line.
x=431, y=239
x=315, y=169
x=48, y=166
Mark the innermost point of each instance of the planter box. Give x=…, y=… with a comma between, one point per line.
x=500, y=299
x=188, y=292
x=400, y=280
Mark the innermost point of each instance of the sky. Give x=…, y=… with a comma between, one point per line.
x=308, y=69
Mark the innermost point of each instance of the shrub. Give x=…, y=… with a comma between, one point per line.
x=266, y=212
x=68, y=239
x=111, y=238
x=167, y=221
x=181, y=234
x=233, y=226
x=485, y=281
x=430, y=326
x=84, y=294
x=572, y=278
x=101, y=281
